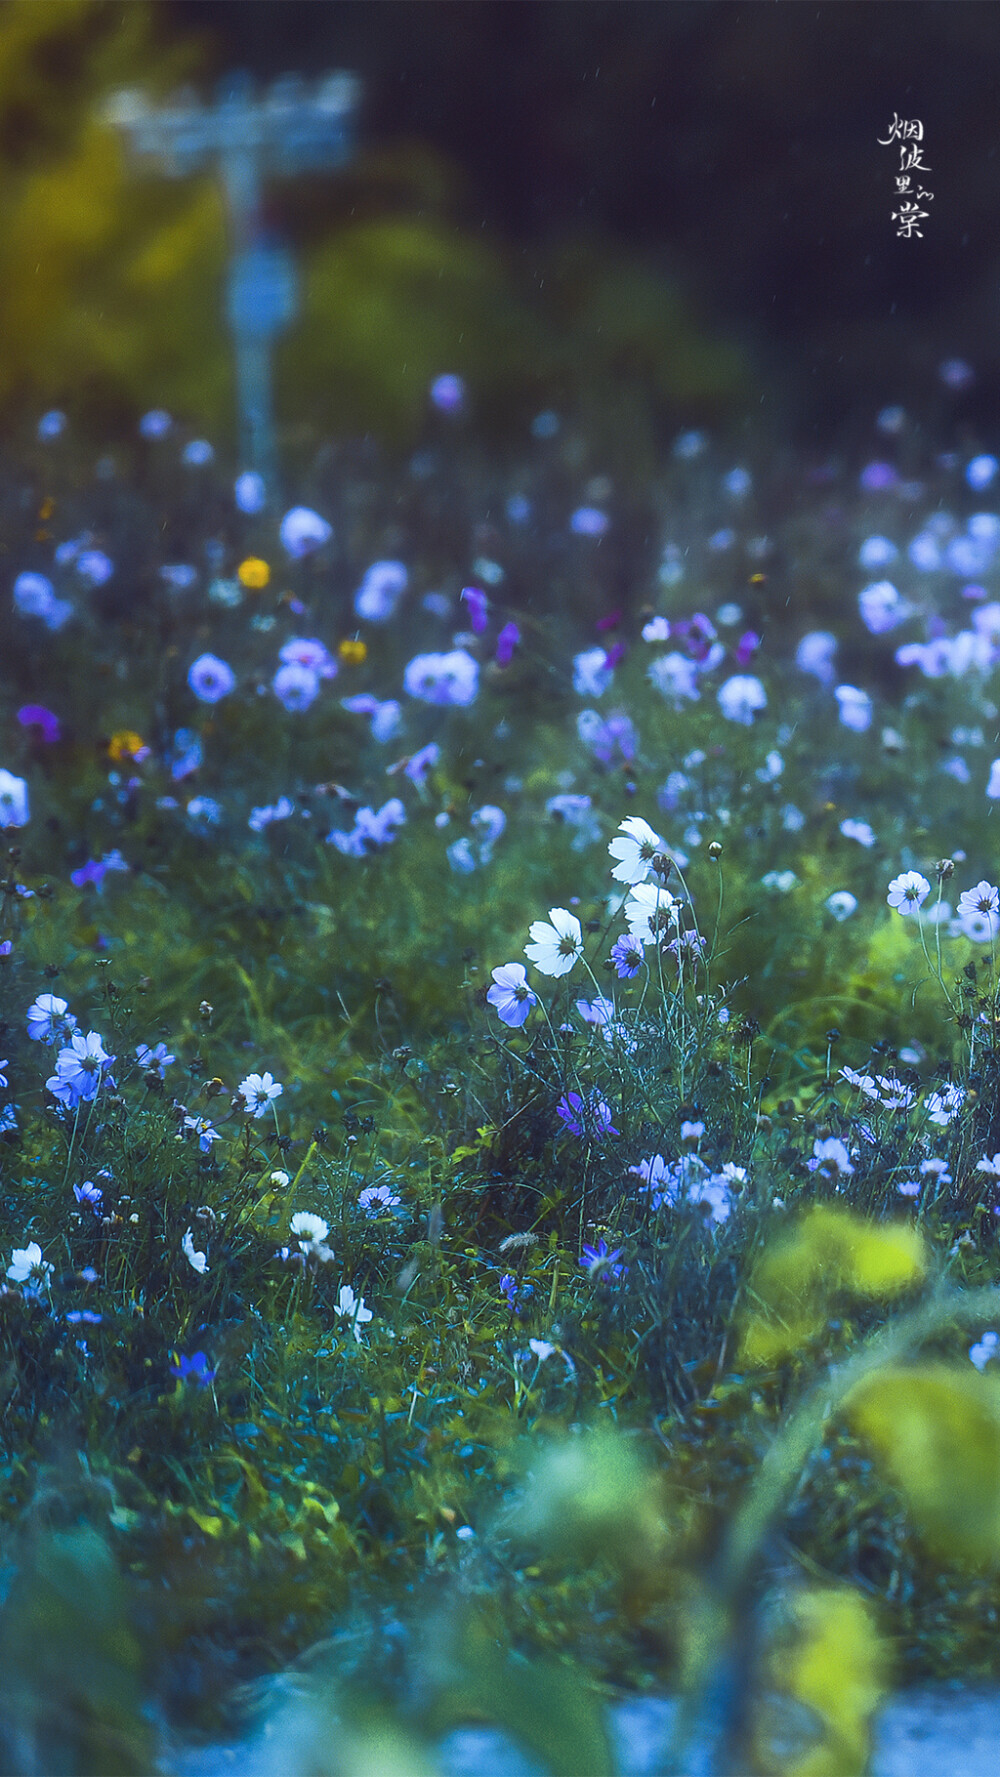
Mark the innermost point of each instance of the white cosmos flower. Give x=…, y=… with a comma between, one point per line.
x=197, y=1261
x=649, y=910
x=555, y=947
x=984, y=899
x=635, y=851
x=258, y=1091
x=908, y=892
x=27, y=1261
x=352, y=1307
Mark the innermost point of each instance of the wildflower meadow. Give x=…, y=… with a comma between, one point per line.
x=499, y=1173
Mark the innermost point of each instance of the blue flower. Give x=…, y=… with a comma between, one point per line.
x=626, y=955
x=80, y=1068
x=195, y=1368
x=515, y=1292
x=155, y=1061
x=204, y=1131
x=510, y=995
x=597, y=1261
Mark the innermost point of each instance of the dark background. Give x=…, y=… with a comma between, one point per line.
x=733, y=145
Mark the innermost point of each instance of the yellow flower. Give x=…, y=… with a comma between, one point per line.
x=352, y=651
x=253, y=573
x=125, y=744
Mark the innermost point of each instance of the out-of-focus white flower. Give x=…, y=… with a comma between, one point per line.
x=198, y=1261
x=855, y=708
x=14, y=810
x=741, y=697
x=302, y=531
x=841, y=904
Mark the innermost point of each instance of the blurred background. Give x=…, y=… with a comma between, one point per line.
x=651, y=214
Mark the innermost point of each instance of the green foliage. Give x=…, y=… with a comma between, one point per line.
x=71, y=1661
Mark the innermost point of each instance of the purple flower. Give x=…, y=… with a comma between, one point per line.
x=94, y=566
x=371, y=829
x=88, y=1193
x=588, y=521
x=443, y=678
x=420, y=762
x=155, y=424
x=626, y=955
x=515, y=1292
x=447, y=392
x=308, y=652
x=376, y=1199
x=48, y=1017
x=597, y=1261
x=295, y=686
x=510, y=995
x=250, y=492
x=746, y=648
x=80, y=1067
x=154, y=1060
x=477, y=603
x=195, y=1368
x=95, y=870
x=34, y=596
x=381, y=589
x=85, y=1316
x=35, y=715
x=205, y=1132
x=876, y=476
x=507, y=641
x=211, y=678
x=590, y=1116
x=302, y=530
x=606, y=735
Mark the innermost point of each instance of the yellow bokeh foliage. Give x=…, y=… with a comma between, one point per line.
x=936, y=1430
x=827, y=1254
x=829, y=1671
x=102, y=290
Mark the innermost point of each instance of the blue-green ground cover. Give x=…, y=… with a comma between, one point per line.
x=457, y=924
